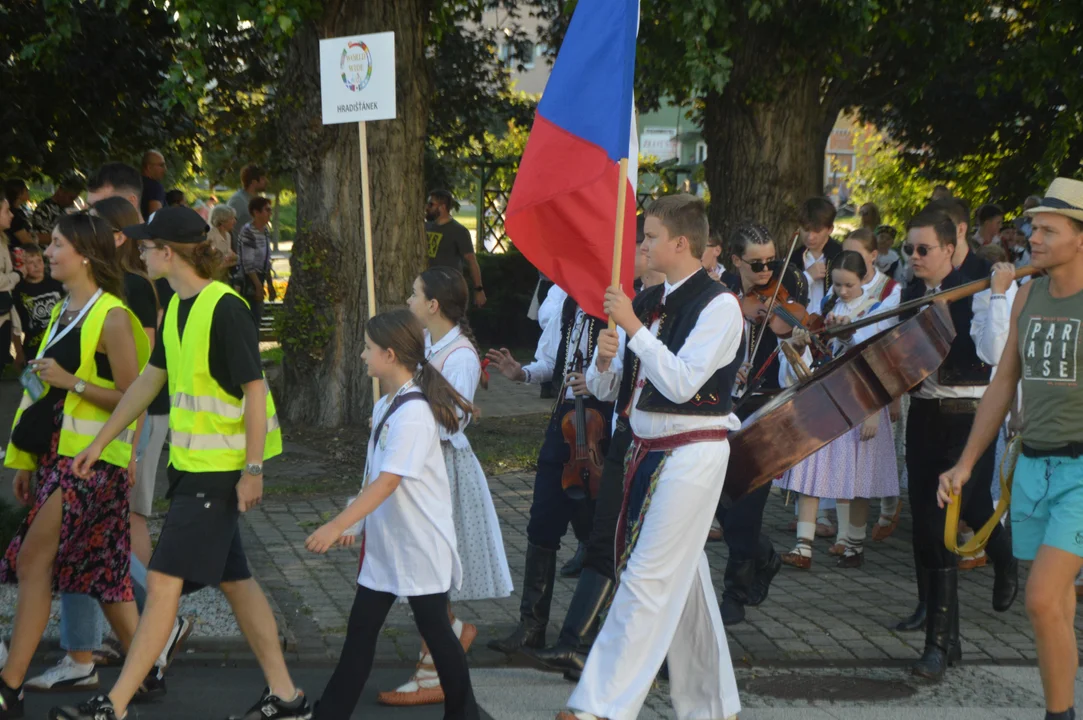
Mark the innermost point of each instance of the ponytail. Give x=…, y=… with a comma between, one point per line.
x=442, y=397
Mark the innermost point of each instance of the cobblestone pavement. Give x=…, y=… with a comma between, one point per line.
x=823, y=615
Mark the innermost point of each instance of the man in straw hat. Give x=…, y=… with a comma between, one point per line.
x=1047, y=497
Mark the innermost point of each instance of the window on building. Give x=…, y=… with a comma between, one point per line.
x=529, y=53
x=701, y=152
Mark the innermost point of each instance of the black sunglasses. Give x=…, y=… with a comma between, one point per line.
x=922, y=250
x=758, y=266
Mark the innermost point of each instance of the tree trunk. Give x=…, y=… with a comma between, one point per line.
x=322, y=323
x=765, y=155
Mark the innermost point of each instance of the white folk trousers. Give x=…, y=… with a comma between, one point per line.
x=665, y=605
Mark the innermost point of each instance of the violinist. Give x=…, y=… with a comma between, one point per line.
x=861, y=463
x=940, y=417
x=1043, y=353
x=753, y=562
x=569, y=340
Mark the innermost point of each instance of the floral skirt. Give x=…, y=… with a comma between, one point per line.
x=95, y=538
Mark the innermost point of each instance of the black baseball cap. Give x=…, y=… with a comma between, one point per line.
x=172, y=224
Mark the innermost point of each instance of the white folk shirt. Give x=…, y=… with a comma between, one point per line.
x=543, y=369
x=457, y=360
x=815, y=287
x=989, y=330
x=410, y=545
x=711, y=345
x=551, y=305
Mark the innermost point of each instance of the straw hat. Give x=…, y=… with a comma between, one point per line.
x=1064, y=197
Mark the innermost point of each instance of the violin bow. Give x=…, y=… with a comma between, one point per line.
x=774, y=297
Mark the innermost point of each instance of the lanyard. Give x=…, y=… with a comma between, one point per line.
x=400, y=397
x=54, y=337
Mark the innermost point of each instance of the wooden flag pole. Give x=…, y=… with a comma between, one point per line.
x=366, y=206
x=618, y=234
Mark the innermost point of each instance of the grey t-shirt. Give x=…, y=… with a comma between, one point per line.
x=239, y=202
x=449, y=244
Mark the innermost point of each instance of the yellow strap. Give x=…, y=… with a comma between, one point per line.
x=977, y=543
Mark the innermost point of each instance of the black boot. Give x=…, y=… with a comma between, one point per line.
x=538, y=579
x=916, y=621
x=942, y=648
x=580, y=625
x=574, y=567
x=738, y=580
x=1006, y=567
x=765, y=573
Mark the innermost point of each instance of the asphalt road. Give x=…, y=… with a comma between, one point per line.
x=217, y=692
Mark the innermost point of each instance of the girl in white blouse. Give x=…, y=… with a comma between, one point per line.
x=408, y=545
x=439, y=301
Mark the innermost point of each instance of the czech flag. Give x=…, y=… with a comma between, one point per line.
x=563, y=208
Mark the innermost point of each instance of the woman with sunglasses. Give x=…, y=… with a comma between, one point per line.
x=753, y=561
x=76, y=537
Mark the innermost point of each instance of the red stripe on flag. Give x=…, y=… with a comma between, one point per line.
x=562, y=214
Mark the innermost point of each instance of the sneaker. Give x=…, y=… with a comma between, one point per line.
x=152, y=687
x=64, y=676
x=11, y=702
x=182, y=628
x=110, y=654
x=271, y=707
x=96, y=708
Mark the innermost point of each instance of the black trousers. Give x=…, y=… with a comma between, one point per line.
x=369, y=611
x=742, y=524
x=551, y=510
x=603, y=533
x=934, y=441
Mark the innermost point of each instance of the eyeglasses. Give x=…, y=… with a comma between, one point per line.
x=921, y=250
x=758, y=266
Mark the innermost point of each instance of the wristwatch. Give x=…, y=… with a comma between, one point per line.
x=253, y=469
x=79, y=387
x=479, y=288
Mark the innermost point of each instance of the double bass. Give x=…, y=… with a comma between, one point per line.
x=838, y=396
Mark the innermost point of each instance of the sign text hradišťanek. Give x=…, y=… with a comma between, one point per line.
x=357, y=107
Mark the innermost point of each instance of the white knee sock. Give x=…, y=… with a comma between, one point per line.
x=805, y=531
x=855, y=539
x=888, y=506
x=843, y=511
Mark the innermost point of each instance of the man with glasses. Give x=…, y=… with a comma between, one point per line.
x=939, y=420
x=753, y=562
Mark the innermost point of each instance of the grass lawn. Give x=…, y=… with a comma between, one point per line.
x=508, y=444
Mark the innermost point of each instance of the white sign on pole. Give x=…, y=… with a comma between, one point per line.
x=357, y=78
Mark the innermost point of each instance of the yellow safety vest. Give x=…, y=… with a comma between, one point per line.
x=206, y=423
x=83, y=420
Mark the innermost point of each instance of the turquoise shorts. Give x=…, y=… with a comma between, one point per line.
x=1047, y=505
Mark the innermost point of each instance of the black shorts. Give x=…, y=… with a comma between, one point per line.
x=201, y=543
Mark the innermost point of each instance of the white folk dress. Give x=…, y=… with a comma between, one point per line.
x=410, y=546
x=849, y=467
x=481, y=544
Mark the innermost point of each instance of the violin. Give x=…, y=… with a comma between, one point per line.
x=583, y=429
x=756, y=302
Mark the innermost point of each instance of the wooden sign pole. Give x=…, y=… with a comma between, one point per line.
x=366, y=206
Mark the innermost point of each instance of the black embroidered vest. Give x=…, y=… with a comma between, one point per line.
x=962, y=366
x=677, y=315
x=593, y=327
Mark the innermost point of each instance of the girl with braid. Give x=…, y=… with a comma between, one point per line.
x=439, y=301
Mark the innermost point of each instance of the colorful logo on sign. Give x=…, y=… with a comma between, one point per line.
x=356, y=66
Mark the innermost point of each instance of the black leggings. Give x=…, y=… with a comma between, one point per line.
x=369, y=611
